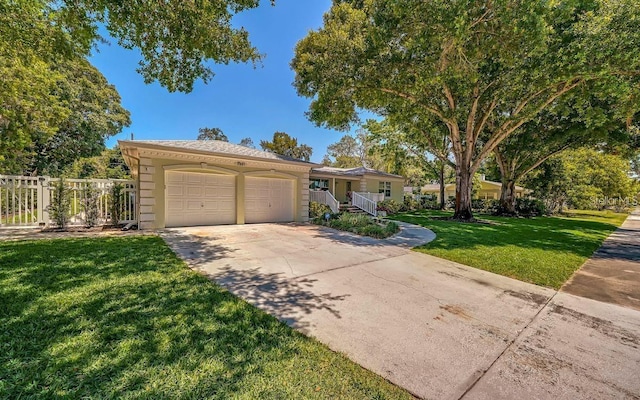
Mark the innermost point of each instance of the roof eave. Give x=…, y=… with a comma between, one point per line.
x=154, y=146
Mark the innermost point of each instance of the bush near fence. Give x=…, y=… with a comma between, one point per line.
x=26, y=200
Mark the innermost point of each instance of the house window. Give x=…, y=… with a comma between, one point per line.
x=385, y=188
x=319, y=184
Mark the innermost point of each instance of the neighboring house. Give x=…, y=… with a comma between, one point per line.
x=489, y=190
x=209, y=182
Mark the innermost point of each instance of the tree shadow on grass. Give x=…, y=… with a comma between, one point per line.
x=140, y=325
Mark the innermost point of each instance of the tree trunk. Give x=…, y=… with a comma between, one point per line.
x=463, y=193
x=441, y=180
x=507, y=197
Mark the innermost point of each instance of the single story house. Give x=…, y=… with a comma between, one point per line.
x=340, y=181
x=210, y=182
x=489, y=190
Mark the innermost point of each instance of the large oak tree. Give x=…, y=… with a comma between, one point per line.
x=55, y=107
x=176, y=38
x=482, y=68
x=580, y=121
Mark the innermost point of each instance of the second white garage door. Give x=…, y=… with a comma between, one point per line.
x=200, y=199
x=268, y=200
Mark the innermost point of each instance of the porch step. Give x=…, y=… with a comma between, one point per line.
x=351, y=209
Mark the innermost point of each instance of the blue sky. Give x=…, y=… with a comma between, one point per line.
x=240, y=100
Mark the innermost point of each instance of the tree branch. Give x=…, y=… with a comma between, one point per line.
x=506, y=130
x=543, y=159
x=403, y=95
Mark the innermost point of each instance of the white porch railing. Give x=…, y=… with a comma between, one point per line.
x=372, y=196
x=325, y=197
x=24, y=200
x=367, y=205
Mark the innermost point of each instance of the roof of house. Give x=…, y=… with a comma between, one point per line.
x=216, y=147
x=357, y=171
x=432, y=187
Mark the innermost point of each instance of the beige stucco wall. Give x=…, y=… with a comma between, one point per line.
x=151, y=176
x=397, y=187
x=341, y=188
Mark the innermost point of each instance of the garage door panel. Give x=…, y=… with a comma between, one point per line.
x=174, y=178
x=194, y=179
x=193, y=205
x=268, y=200
x=194, y=191
x=174, y=204
x=200, y=199
x=175, y=190
x=220, y=192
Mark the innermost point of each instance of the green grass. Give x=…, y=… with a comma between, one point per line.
x=544, y=251
x=124, y=318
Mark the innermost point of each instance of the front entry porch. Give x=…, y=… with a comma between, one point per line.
x=344, y=192
x=338, y=187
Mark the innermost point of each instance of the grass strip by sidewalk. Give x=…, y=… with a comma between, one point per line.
x=545, y=251
x=125, y=318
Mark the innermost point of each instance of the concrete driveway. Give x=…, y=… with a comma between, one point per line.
x=439, y=329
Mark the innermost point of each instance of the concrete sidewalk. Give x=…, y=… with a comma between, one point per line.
x=437, y=328
x=612, y=274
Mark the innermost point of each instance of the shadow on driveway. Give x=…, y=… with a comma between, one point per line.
x=281, y=296
x=197, y=251
x=285, y=297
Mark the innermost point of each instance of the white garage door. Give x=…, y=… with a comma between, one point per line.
x=268, y=200
x=200, y=199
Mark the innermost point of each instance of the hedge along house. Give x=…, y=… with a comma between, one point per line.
x=210, y=182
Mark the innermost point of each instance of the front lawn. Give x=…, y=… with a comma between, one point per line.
x=545, y=250
x=125, y=318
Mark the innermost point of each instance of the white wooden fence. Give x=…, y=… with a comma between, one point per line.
x=24, y=200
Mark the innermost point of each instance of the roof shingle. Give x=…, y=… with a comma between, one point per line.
x=217, y=147
x=358, y=171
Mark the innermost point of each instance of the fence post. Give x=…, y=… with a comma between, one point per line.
x=44, y=199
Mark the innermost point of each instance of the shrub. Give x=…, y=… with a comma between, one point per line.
x=318, y=210
x=489, y=206
x=373, y=230
x=478, y=204
x=530, y=207
x=60, y=204
x=410, y=203
x=390, y=206
x=356, y=220
x=360, y=224
x=89, y=204
x=450, y=203
x=116, y=203
x=392, y=228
